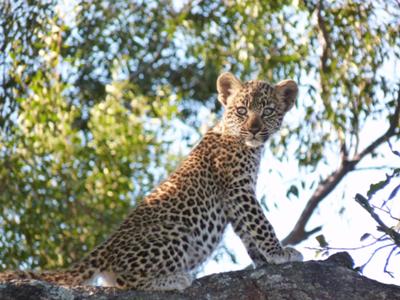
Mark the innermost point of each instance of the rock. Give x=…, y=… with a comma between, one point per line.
x=333, y=278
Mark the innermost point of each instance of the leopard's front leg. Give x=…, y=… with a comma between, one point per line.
x=255, y=255
x=256, y=232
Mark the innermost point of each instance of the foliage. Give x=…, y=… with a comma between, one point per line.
x=63, y=188
x=91, y=90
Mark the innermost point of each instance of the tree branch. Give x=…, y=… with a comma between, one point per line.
x=299, y=233
x=385, y=269
x=325, y=40
x=393, y=234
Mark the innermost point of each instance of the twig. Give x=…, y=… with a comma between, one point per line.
x=387, y=262
x=373, y=254
x=372, y=168
x=325, y=39
x=394, y=235
x=380, y=239
x=386, y=211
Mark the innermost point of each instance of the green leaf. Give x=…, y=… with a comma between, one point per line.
x=293, y=190
x=365, y=236
x=322, y=241
x=394, y=192
x=375, y=187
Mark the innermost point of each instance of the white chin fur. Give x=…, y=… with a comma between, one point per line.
x=253, y=143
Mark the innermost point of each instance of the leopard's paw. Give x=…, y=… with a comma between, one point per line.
x=292, y=254
x=287, y=254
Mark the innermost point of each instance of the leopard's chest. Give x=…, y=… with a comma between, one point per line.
x=207, y=231
x=239, y=169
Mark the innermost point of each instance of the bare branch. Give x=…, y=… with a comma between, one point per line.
x=393, y=234
x=373, y=254
x=394, y=124
x=344, y=153
x=386, y=211
x=324, y=38
x=372, y=168
x=382, y=238
x=299, y=233
x=387, y=262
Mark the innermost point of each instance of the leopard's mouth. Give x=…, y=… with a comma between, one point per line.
x=254, y=142
x=257, y=139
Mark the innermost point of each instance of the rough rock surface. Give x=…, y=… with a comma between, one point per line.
x=333, y=278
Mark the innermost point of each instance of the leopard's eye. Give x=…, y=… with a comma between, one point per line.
x=241, y=110
x=268, y=111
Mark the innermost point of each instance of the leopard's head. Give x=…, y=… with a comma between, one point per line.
x=255, y=109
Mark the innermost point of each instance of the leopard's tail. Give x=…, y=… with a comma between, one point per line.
x=79, y=274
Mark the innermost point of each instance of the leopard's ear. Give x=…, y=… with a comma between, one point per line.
x=286, y=91
x=227, y=85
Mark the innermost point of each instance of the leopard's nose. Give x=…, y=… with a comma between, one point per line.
x=254, y=129
x=254, y=124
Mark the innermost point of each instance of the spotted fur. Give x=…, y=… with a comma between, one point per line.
x=181, y=222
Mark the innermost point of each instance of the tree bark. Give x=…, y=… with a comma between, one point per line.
x=333, y=278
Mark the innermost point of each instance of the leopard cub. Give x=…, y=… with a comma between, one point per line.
x=182, y=221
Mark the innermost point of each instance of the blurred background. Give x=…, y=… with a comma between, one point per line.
x=100, y=100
